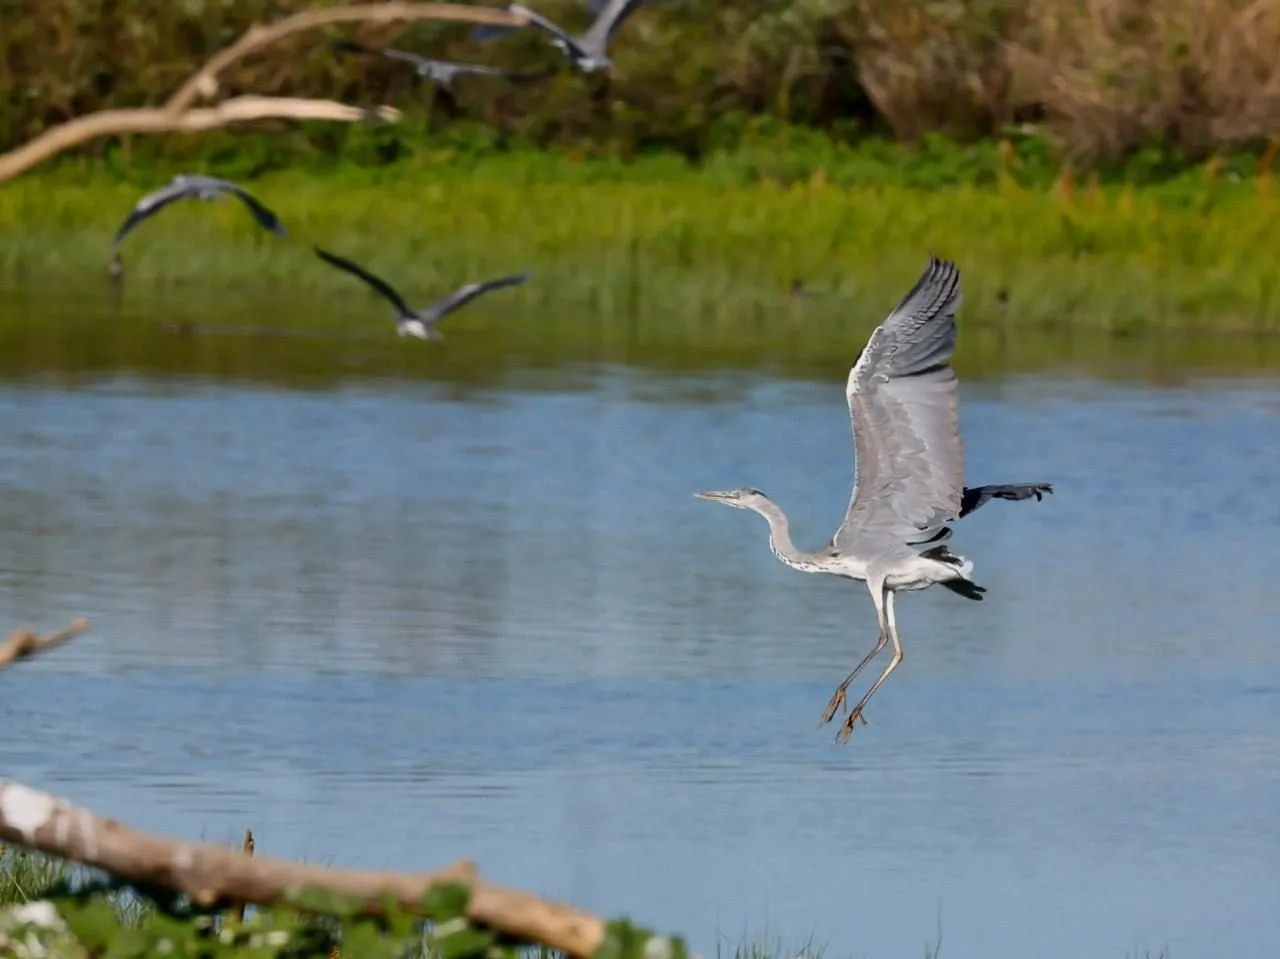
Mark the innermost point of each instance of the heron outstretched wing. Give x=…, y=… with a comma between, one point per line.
x=465, y=294
x=418, y=62
x=547, y=26
x=379, y=284
x=909, y=458
x=265, y=217
x=153, y=203
x=425, y=66
x=606, y=24
x=478, y=69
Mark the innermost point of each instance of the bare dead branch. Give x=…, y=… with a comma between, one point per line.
x=205, y=82
x=215, y=874
x=177, y=115
x=24, y=642
x=107, y=123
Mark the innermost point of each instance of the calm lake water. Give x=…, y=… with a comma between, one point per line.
x=391, y=603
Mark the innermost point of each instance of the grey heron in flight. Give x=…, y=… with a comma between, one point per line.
x=589, y=50
x=201, y=187
x=443, y=72
x=422, y=323
x=908, y=472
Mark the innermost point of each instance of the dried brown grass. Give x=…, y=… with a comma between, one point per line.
x=1115, y=75
x=934, y=66
x=1104, y=77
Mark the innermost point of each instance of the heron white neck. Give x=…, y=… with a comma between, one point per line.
x=780, y=539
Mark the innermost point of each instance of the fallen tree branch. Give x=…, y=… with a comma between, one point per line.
x=177, y=116
x=205, y=81
x=213, y=874
x=107, y=123
x=24, y=642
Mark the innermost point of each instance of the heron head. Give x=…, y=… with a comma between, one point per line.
x=745, y=497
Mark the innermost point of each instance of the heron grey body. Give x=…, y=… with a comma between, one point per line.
x=908, y=471
x=421, y=324
x=589, y=50
x=202, y=188
x=443, y=72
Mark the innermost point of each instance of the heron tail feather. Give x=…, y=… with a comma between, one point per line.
x=961, y=585
x=966, y=588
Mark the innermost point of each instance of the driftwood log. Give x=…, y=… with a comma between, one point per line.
x=212, y=874
x=178, y=113
x=215, y=874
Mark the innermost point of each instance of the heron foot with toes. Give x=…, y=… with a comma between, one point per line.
x=837, y=701
x=846, y=730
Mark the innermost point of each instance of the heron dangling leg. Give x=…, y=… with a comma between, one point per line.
x=838, y=698
x=855, y=714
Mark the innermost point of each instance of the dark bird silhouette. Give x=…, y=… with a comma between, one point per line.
x=587, y=51
x=421, y=323
x=202, y=188
x=443, y=72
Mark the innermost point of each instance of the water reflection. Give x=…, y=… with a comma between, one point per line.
x=391, y=606
x=304, y=341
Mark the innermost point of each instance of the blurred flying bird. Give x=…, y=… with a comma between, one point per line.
x=442, y=72
x=421, y=323
x=587, y=51
x=200, y=187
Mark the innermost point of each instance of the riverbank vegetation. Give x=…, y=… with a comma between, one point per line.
x=1097, y=81
x=1103, y=165
x=96, y=916
x=697, y=245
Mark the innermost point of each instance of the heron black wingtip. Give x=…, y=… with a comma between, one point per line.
x=966, y=588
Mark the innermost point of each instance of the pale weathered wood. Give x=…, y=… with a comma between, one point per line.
x=205, y=81
x=177, y=116
x=215, y=874
x=107, y=123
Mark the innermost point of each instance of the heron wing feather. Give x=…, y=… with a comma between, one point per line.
x=542, y=23
x=151, y=204
x=904, y=407
x=264, y=216
x=465, y=294
x=382, y=286
x=607, y=23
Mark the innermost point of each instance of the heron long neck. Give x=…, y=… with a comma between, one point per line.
x=780, y=538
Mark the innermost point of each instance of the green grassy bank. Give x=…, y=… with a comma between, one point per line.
x=123, y=924
x=678, y=245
